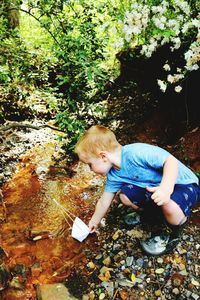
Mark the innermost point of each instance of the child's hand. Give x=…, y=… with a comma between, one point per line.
x=159, y=196
x=92, y=226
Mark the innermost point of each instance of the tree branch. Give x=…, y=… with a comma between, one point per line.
x=25, y=125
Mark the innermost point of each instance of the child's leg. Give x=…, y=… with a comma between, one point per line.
x=133, y=196
x=173, y=213
x=125, y=200
x=182, y=200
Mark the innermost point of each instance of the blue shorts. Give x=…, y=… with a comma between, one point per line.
x=185, y=195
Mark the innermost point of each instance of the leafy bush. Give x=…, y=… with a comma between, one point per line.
x=154, y=23
x=72, y=46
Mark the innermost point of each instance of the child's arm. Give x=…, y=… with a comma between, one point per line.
x=101, y=208
x=161, y=194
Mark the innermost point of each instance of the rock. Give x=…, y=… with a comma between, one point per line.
x=22, y=270
x=109, y=286
x=177, y=279
x=197, y=246
x=54, y=292
x=102, y=296
x=176, y=291
x=139, y=262
x=195, y=296
x=159, y=260
x=129, y=261
x=3, y=255
x=188, y=293
x=116, y=235
x=158, y=293
x=107, y=261
x=98, y=257
x=126, y=283
x=91, y=265
x=15, y=283
x=4, y=277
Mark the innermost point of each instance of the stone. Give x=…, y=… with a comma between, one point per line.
x=4, y=277
x=56, y=291
x=129, y=261
x=176, y=291
x=177, y=279
x=158, y=293
x=107, y=261
x=195, y=296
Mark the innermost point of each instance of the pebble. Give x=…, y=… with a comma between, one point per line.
x=139, y=262
x=98, y=257
x=177, y=279
x=188, y=293
x=102, y=296
x=195, y=296
x=107, y=261
x=176, y=291
x=129, y=261
x=91, y=265
x=197, y=246
x=109, y=286
x=160, y=260
x=158, y=293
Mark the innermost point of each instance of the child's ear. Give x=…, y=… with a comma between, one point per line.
x=103, y=154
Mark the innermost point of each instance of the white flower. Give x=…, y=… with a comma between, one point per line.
x=177, y=42
x=119, y=44
x=166, y=67
x=185, y=27
x=195, y=22
x=162, y=85
x=170, y=78
x=178, y=88
x=113, y=30
x=192, y=68
x=188, y=54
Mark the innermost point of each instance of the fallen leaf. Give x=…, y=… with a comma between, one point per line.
x=133, y=277
x=105, y=277
x=123, y=295
x=159, y=271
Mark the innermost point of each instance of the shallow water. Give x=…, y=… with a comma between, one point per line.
x=36, y=232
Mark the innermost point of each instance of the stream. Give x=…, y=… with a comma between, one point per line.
x=39, y=203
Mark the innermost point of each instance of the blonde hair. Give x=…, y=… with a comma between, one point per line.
x=97, y=138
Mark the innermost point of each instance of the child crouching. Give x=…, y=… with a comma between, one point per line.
x=140, y=172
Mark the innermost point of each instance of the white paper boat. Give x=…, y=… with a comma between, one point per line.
x=79, y=230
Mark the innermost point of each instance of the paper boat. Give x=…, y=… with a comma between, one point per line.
x=79, y=230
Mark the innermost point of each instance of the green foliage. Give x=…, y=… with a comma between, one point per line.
x=71, y=46
x=74, y=127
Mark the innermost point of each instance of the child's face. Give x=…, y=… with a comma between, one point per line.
x=100, y=165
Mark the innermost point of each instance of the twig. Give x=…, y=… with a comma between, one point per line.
x=115, y=294
x=25, y=125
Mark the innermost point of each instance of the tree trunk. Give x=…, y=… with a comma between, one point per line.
x=10, y=10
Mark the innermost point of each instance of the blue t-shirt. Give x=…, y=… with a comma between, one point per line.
x=142, y=165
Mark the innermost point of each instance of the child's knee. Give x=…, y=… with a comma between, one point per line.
x=173, y=213
x=125, y=200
